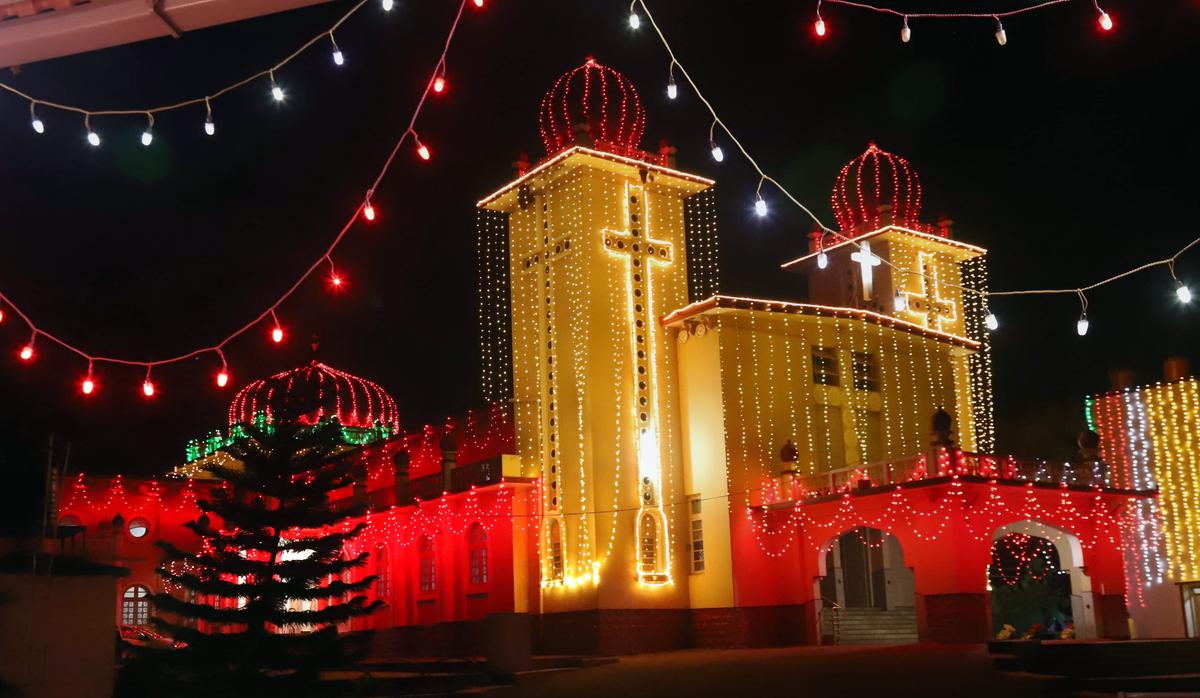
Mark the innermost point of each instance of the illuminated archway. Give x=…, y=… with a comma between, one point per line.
x=1046, y=566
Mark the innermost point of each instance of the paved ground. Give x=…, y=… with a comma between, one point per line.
x=924, y=671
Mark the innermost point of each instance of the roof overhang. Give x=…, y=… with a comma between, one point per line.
x=718, y=304
x=37, y=30
x=967, y=251
x=621, y=160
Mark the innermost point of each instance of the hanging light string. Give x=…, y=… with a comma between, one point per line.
x=38, y=102
x=820, y=28
x=270, y=312
x=1182, y=291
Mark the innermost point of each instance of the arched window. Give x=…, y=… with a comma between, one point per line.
x=477, y=554
x=427, y=572
x=556, y=550
x=138, y=527
x=648, y=545
x=135, y=606
x=383, y=576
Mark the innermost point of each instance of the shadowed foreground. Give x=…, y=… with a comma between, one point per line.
x=927, y=671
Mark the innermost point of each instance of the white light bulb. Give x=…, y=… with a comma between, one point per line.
x=93, y=138
x=38, y=125
x=760, y=207
x=672, y=90
x=717, y=153
x=147, y=137
x=1081, y=326
x=991, y=322
x=822, y=260
x=634, y=20
x=905, y=33
x=388, y=5
x=901, y=301
x=210, y=128
x=277, y=93
x=1001, y=37
x=1184, y=294
x=338, y=58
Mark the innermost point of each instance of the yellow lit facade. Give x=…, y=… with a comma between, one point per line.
x=1150, y=437
x=597, y=252
x=652, y=410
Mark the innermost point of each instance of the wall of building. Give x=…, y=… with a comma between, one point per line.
x=593, y=369
x=1150, y=438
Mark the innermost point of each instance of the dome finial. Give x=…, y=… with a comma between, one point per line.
x=876, y=189
x=594, y=104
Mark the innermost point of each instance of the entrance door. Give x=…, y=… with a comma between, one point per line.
x=1191, y=607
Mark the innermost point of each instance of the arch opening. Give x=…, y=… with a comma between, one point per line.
x=1038, y=584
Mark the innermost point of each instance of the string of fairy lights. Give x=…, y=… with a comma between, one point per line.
x=821, y=28
x=761, y=207
x=89, y=382
x=276, y=91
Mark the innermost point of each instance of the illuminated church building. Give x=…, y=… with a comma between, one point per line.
x=663, y=466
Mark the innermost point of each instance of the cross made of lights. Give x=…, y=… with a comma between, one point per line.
x=935, y=312
x=868, y=261
x=642, y=251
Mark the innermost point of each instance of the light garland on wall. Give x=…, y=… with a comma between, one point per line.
x=991, y=321
x=89, y=383
x=821, y=27
x=276, y=91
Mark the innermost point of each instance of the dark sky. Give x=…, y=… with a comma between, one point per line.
x=1070, y=155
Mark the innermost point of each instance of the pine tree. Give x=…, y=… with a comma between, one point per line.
x=266, y=540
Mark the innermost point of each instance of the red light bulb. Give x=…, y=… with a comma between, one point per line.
x=27, y=352
x=222, y=378
x=423, y=151
x=439, y=84
x=1, y=316
x=819, y=27
x=1106, y=22
x=369, y=211
x=277, y=335
x=478, y=3
x=148, y=388
x=87, y=386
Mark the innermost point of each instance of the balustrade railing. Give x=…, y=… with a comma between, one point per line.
x=938, y=464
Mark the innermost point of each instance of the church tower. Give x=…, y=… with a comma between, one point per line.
x=579, y=257
x=884, y=259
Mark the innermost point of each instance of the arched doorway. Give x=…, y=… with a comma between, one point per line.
x=868, y=595
x=1038, y=583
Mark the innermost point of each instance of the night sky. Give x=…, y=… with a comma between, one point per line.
x=1070, y=155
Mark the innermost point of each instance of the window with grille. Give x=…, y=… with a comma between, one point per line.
x=697, y=538
x=478, y=554
x=825, y=366
x=135, y=606
x=556, y=551
x=866, y=371
x=649, y=545
x=427, y=572
x=383, y=574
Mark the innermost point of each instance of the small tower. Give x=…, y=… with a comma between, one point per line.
x=579, y=258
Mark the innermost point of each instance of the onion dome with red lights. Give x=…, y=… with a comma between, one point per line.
x=876, y=189
x=592, y=105
x=356, y=402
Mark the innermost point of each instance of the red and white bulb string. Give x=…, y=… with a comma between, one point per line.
x=366, y=210
x=821, y=28
x=38, y=105
x=990, y=320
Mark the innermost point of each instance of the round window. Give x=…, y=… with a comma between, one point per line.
x=139, y=527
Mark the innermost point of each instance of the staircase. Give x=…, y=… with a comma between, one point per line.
x=873, y=626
